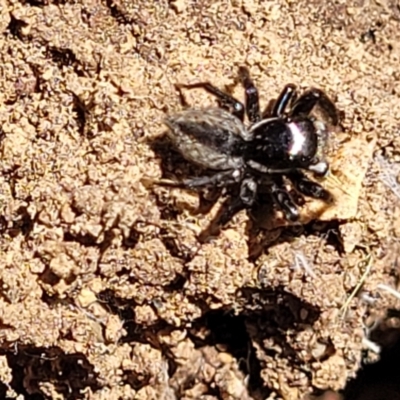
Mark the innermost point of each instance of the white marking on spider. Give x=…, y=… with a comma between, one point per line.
x=298, y=139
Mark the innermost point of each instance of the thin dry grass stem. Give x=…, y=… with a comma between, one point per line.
x=367, y=262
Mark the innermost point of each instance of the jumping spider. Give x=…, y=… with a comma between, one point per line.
x=276, y=146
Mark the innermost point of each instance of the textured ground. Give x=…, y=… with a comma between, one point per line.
x=105, y=290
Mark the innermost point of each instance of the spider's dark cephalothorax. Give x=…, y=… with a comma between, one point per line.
x=277, y=146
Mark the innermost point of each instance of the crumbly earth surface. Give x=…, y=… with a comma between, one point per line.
x=106, y=291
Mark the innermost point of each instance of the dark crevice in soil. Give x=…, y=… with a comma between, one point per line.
x=117, y=13
x=24, y=224
x=132, y=240
x=369, y=35
x=12, y=178
x=229, y=332
x=170, y=242
x=69, y=374
x=49, y=277
x=44, y=3
x=380, y=380
x=81, y=111
x=135, y=381
x=14, y=27
x=278, y=309
x=62, y=57
x=177, y=284
x=65, y=57
x=86, y=240
x=40, y=83
x=329, y=230
x=53, y=300
x=124, y=308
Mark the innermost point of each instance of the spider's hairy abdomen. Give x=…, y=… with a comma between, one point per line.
x=211, y=138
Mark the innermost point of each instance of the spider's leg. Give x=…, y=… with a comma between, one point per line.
x=282, y=197
x=251, y=95
x=218, y=179
x=310, y=98
x=288, y=95
x=225, y=100
x=234, y=204
x=308, y=187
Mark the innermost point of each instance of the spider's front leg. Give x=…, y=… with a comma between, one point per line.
x=225, y=100
x=251, y=94
x=283, y=199
x=308, y=187
x=287, y=96
x=312, y=97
